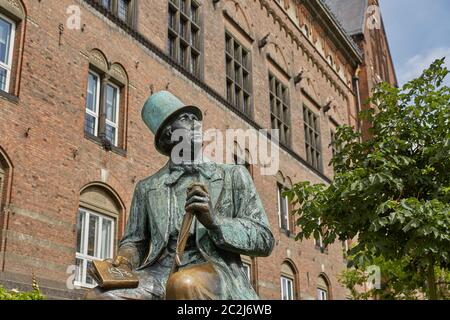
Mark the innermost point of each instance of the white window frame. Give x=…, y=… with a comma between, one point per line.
x=322, y=294
x=280, y=215
x=289, y=283
x=97, y=101
x=110, y=123
x=248, y=270
x=8, y=66
x=98, y=243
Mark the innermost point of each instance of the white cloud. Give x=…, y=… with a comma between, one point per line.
x=413, y=67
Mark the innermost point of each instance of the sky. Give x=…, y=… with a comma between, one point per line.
x=418, y=33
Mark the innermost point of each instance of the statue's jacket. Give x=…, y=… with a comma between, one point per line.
x=243, y=225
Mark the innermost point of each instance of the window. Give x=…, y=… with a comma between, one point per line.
x=332, y=145
x=2, y=185
x=248, y=270
x=95, y=241
x=251, y=270
x=92, y=104
x=243, y=159
x=7, y=36
x=312, y=139
x=279, y=109
x=106, y=127
x=288, y=281
x=238, y=60
x=112, y=113
x=283, y=208
x=184, y=34
x=122, y=9
x=5, y=174
x=319, y=243
x=287, y=289
x=322, y=289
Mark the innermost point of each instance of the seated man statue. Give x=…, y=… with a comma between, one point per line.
x=229, y=219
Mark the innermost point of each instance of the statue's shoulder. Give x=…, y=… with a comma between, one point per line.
x=235, y=172
x=154, y=181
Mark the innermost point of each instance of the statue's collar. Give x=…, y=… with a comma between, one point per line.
x=206, y=168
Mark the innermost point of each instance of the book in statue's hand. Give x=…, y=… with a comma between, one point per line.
x=109, y=277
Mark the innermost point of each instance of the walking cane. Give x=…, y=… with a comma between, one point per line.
x=183, y=237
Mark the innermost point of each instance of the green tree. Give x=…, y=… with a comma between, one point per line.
x=392, y=191
x=16, y=295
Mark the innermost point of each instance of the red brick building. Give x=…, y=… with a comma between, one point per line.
x=74, y=75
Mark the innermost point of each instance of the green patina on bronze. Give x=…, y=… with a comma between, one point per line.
x=240, y=226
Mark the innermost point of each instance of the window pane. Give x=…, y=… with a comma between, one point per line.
x=106, y=250
x=79, y=270
x=283, y=209
x=111, y=103
x=80, y=232
x=93, y=235
x=111, y=134
x=89, y=124
x=5, y=38
x=107, y=4
x=89, y=279
x=91, y=100
x=123, y=6
x=3, y=75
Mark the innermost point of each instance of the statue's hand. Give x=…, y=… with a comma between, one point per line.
x=198, y=202
x=121, y=261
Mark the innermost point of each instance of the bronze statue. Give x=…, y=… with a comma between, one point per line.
x=190, y=222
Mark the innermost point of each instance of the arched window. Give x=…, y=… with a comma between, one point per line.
x=288, y=282
x=106, y=101
x=284, y=207
x=323, y=288
x=5, y=173
x=2, y=185
x=243, y=157
x=251, y=269
x=97, y=220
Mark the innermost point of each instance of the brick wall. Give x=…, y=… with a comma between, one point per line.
x=43, y=132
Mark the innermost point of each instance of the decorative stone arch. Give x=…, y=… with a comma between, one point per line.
x=236, y=12
x=323, y=282
x=14, y=9
x=98, y=59
x=290, y=270
x=118, y=72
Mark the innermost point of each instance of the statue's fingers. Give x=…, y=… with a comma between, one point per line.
x=197, y=192
x=197, y=207
x=197, y=199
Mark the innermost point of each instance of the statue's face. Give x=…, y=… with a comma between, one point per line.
x=186, y=125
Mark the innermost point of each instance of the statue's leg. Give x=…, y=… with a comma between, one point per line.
x=199, y=282
x=150, y=287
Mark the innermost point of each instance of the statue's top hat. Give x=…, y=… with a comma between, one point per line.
x=162, y=108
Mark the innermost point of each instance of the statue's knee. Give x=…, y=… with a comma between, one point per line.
x=181, y=282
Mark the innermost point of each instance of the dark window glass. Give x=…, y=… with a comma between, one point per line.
x=279, y=107
x=312, y=139
x=239, y=87
x=184, y=34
